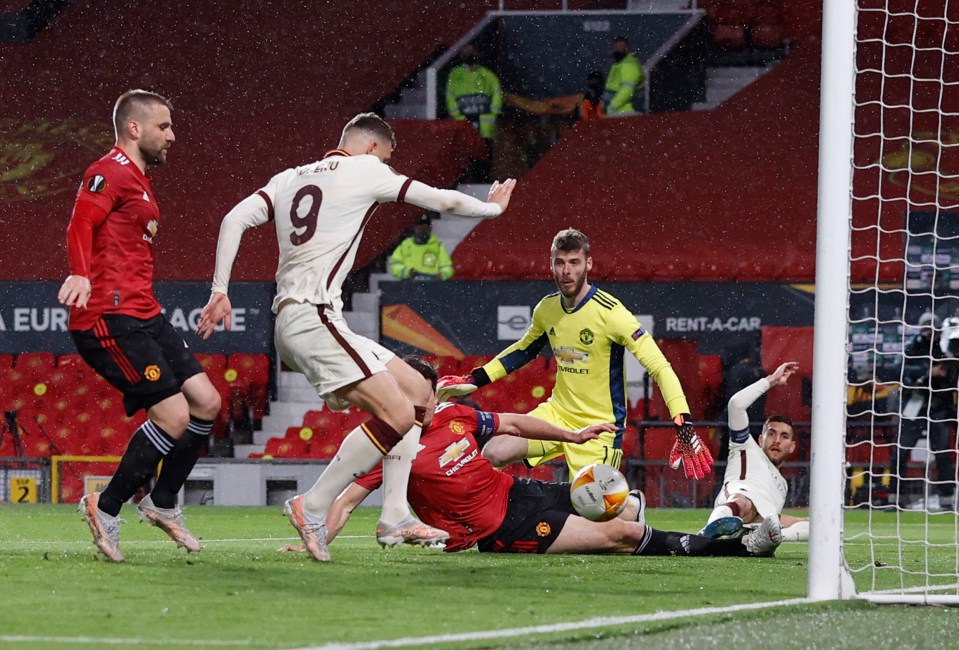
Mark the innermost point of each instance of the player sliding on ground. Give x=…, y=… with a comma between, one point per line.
x=320, y=211
x=589, y=331
x=452, y=486
x=753, y=487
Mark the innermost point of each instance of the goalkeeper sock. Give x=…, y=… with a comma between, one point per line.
x=798, y=532
x=180, y=461
x=361, y=450
x=148, y=445
x=657, y=542
x=396, y=471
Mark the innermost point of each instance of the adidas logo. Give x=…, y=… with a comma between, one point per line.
x=552, y=332
x=146, y=197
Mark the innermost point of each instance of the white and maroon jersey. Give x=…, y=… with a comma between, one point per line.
x=320, y=211
x=749, y=472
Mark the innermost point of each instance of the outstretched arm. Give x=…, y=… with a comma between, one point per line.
x=252, y=211
x=526, y=426
x=342, y=508
x=738, y=417
x=464, y=205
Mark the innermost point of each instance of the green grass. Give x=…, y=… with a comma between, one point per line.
x=239, y=590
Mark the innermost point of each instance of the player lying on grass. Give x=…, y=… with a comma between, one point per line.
x=453, y=487
x=753, y=487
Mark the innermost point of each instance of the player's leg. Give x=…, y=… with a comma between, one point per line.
x=396, y=465
x=505, y=450
x=731, y=512
x=795, y=529
x=203, y=405
x=352, y=369
x=580, y=535
x=121, y=350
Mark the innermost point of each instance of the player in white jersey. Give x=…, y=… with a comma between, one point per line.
x=753, y=487
x=320, y=211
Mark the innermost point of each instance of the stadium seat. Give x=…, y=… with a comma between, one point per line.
x=37, y=362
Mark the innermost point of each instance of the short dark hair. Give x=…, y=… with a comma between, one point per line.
x=778, y=418
x=425, y=369
x=621, y=39
x=570, y=240
x=372, y=124
x=130, y=101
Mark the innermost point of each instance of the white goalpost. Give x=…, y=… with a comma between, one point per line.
x=883, y=503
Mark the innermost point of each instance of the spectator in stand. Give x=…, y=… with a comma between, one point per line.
x=473, y=93
x=421, y=256
x=626, y=78
x=592, y=106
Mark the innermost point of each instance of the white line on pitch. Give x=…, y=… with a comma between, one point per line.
x=606, y=621
x=94, y=640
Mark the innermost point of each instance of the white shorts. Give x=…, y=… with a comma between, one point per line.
x=317, y=342
x=764, y=503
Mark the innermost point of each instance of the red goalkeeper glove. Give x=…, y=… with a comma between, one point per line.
x=454, y=386
x=689, y=450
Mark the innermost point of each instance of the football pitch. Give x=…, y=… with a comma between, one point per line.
x=239, y=592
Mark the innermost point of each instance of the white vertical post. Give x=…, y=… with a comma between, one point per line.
x=832, y=273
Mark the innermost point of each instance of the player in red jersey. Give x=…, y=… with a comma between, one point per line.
x=117, y=326
x=453, y=487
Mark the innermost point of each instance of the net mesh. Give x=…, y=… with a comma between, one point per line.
x=900, y=529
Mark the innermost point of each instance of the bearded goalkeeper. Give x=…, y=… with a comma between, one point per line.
x=589, y=332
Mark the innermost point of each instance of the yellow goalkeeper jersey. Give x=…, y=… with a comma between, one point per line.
x=589, y=343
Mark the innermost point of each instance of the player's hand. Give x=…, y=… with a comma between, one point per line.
x=590, y=433
x=689, y=450
x=454, y=386
x=782, y=374
x=217, y=309
x=499, y=193
x=75, y=291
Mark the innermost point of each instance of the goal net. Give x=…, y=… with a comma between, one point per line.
x=900, y=526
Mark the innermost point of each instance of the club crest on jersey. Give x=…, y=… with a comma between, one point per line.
x=96, y=184
x=152, y=373
x=151, y=232
x=586, y=336
x=457, y=427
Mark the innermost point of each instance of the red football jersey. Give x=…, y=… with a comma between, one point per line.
x=452, y=486
x=121, y=267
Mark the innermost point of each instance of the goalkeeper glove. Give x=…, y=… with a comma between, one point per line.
x=689, y=450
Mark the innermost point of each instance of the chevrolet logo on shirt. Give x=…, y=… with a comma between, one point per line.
x=454, y=452
x=569, y=356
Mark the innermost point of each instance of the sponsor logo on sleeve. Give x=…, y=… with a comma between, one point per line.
x=96, y=184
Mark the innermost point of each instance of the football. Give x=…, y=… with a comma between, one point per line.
x=599, y=492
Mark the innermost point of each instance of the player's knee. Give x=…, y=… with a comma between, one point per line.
x=211, y=406
x=173, y=420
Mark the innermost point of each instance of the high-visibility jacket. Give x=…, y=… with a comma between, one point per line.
x=430, y=258
x=625, y=79
x=475, y=95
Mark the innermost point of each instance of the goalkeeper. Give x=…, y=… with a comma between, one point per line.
x=588, y=331
x=753, y=487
